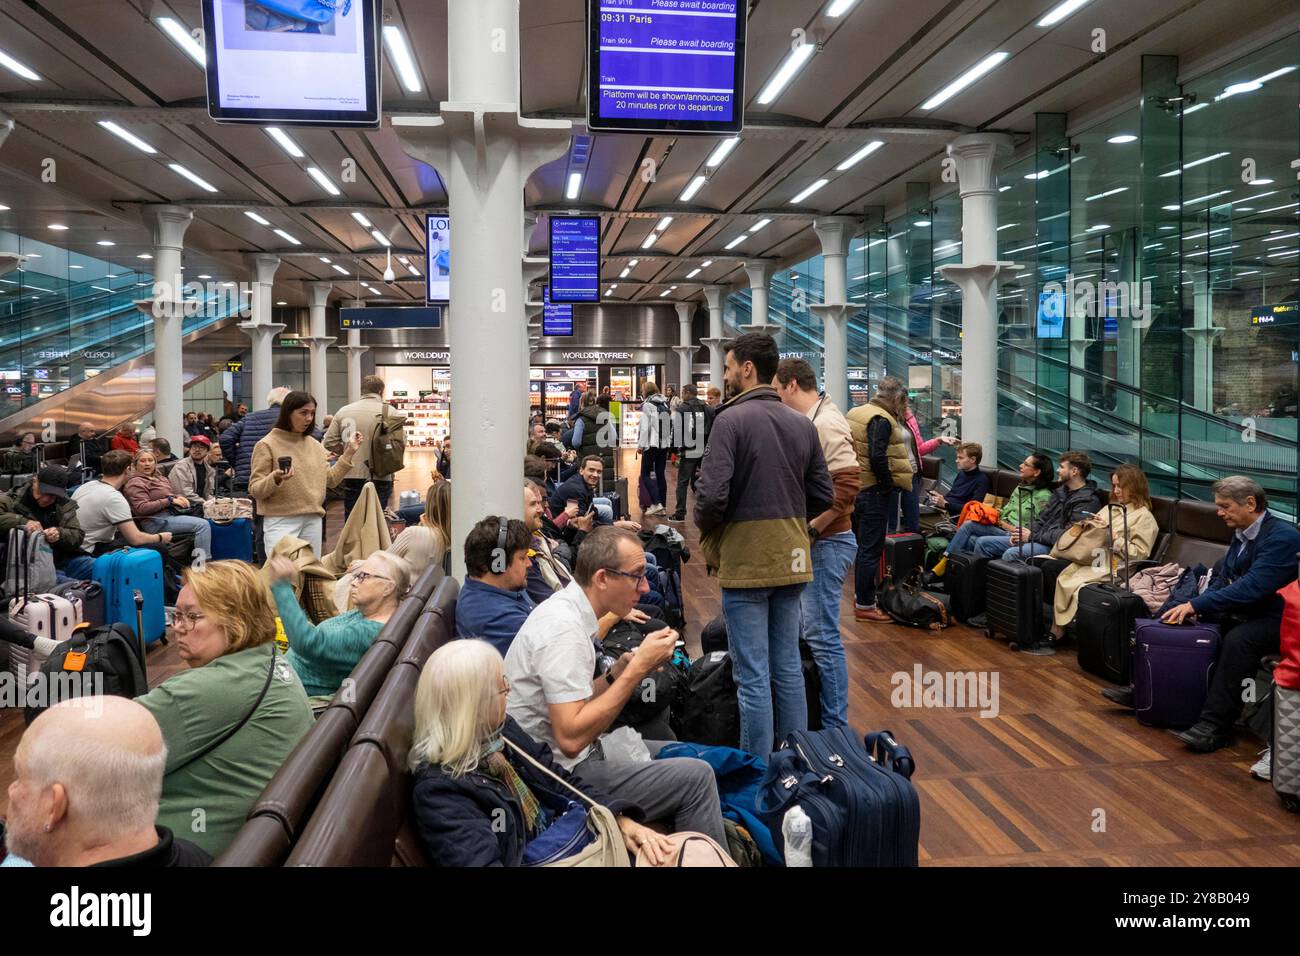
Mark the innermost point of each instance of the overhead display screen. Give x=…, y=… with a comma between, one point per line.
x=293, y=62
x=437, y=266
x=575, y=259
x=656, y=65
x=557, y=318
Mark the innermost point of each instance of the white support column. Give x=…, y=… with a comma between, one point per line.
x=685, y=349
x=760, y=272
x=977, y=156
x=1203, y=333
x=354, y=350
x=318, y=297
x=715, y=296
x=168, y=224
x=261, y=329
x=834, y=232
x=6, y=127
x=485, y=151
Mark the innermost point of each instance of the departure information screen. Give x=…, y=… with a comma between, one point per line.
x=657, y=65
x=557, y=319
x=575, y=259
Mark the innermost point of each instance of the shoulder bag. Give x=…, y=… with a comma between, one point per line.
x=1080, y=542
x=270, y=673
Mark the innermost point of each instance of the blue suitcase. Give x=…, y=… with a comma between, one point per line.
x=122, y=573
x=1172, y=667
x=232, y=540
x=858, y=795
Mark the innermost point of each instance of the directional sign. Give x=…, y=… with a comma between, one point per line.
x=416, y=317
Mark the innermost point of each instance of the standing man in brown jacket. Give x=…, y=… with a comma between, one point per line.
x=763, y=478
x=833, y=543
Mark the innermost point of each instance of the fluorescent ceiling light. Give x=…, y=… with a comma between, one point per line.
x=922, y=223
x=966, y=79
x=127, y=135
x=205, y=277
x=706, y=263
x=735, y=242
x=693, y=273
x=403, y=260
x=399, y=54
x=1260, y=182
x=192, y=177
x=633, y=263
x=1122, y=138
x=339, y=269
x=324, y=260
x=256, y=218
x=664, y=223
x=650, y=240
x=1060, y=12
x=1059, y=215
x=625, y=273
x=860, y=155
x=1221, y=192
x=1284, y=235
x=143, y=255
x=761, y=224
x=839, y=7
x=285, y=143
x=363, y=220
x=286, y=237
x=664, y=293
x=14, y=66
x=380, y=237
x=1195, y=162
x=105, y=242
x=58, y=227
x=411, y=269
x=574, y=187
x=181, y=37
x=1192, y=109
x=3, y=208
x=1250, y=86
x=1290, y=205
x=1275, y=74
x=722, y=151
x=694, y=186
x=323, y=181
x=809, y=191
x=793, y=63
x=1003, y=189
x=1109, y=192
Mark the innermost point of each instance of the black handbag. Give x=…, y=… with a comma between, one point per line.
x=908, y=603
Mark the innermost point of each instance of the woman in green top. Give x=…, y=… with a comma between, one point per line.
x=232, y=718
x=1026, y=501
x=324, y=654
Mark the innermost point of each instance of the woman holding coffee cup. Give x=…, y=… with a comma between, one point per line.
x=291, y=472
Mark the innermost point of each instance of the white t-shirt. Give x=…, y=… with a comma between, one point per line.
x=100, y=509
x=551, y=661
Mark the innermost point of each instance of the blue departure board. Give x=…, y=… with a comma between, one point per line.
x=575, y=259
x=656, y=65
x=557, y=318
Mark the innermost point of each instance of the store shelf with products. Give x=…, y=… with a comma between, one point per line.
x=629, y=424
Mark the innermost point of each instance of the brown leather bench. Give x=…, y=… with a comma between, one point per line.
x=427, y=582
x=1200, y=536
x=403, y=619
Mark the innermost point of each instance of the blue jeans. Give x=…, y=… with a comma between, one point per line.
x=871, y=512
x=763, y=635
x=1023, y=552
x=965, y=538
x=604, y=510
x=80, y=568
x=182, y=524
x=820, y=606
x=911, y=508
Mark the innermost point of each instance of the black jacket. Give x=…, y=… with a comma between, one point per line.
x=879, y=432
x=91, y=451
x=1063, y=509
x=573, y=489
x=475, y=820
x=170, y=851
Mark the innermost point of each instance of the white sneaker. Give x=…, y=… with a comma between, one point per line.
x=654, y=510
x=1263, y=768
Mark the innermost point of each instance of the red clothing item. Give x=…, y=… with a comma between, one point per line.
x=122, y=443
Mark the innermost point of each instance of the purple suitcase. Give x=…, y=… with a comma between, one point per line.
x=1172, y=667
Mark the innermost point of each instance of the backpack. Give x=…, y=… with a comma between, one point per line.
x=111, y=650
x=388, y=445
x=661, y=689
x=709, y=713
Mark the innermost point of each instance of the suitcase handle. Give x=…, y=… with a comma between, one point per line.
x=890, y=753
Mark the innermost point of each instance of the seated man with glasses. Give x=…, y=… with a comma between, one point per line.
x=324, y=654
x=494, y=603
x=555, y=699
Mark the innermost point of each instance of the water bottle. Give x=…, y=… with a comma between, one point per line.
x=797, y=831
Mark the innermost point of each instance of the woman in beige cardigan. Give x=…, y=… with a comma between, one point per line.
x=1128, y=487
x=292, y=499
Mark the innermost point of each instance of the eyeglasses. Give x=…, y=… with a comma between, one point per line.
x=190, y=617
x=637, y=576
x=361, y=576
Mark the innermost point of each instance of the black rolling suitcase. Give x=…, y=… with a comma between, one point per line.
x=1014, y=592
x=1103, y=624
x=964, y=581
x=903, y=553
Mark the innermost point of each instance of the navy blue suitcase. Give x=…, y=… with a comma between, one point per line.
x=121, y=573
x=1172, y=668
x=858, y=795
x=232, y=540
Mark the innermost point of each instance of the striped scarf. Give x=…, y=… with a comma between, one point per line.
x=499, y=767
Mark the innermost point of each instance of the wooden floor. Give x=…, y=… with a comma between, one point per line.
x=1058, y=778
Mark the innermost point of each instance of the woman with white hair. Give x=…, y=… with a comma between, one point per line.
x=420, y=546
x=324, y=654
x=477, y=800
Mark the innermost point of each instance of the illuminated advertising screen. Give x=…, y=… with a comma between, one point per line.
x=437, y=265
